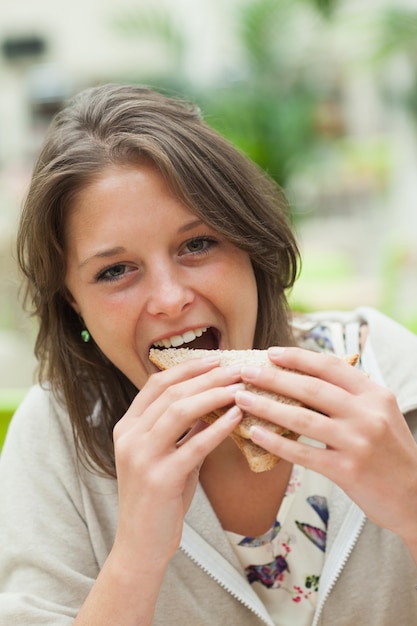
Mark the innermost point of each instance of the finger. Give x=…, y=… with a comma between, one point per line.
x=160, y=380
x=298, y=419
x=198, y=427
x=179, y=416
x=328, y=367
x=309, y=390
x=316, y=458
x=164, y=388
x=195, y=450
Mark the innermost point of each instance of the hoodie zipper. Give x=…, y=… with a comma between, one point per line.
x=220, y=570
x=355, y=520
x=338, y=556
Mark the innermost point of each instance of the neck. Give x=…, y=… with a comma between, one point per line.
x=245, y=502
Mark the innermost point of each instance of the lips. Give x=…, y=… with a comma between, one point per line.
x=201, y=337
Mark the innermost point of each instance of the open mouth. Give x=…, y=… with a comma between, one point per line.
x=197, y=338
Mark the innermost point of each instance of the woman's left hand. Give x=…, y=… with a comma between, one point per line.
x=370, y=452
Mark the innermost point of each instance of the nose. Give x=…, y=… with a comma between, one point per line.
x=169, y=295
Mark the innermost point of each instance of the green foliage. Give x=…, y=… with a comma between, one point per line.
x=269, y=111
x=269, y=107
x=326, y=7
x=398, y=32
x=152, y=24
x=272, y=127
x=271, y=103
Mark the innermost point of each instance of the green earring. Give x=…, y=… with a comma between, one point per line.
x=85, y=335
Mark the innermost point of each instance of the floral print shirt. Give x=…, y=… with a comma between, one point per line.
x=285, y=563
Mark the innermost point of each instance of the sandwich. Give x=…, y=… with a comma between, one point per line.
x=259, y=460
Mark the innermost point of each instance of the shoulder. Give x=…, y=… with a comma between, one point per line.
x=40, y=427
x=394, y=348
x=385, y=329
x=39, y=409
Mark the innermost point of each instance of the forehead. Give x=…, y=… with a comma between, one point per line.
x=121, y=198
x=114, y=182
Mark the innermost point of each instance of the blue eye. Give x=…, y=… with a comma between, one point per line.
x=112, y=273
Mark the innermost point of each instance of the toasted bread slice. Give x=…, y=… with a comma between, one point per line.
x=259, y=459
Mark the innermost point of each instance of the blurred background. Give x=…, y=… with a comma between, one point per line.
x=321, y=93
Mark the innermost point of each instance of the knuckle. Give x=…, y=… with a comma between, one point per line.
x=155, y=378
x=363, y=451
x=179, y=408
x=379, y=421
x=313, y=387
x=304, y=455
x=300, y=420
x=330, y=362
x=351, y=470
x=117, y=431
x=198, y=447
x=155, y=479
x=127, y=457
x=171, y=393
x=356, y=462
x=388, y=398
x=379, y=427
x=179, y=412
x=156, y=382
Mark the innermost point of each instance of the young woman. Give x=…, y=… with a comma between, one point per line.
x=142, y=227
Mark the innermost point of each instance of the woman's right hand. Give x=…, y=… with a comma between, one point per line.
x=157, y=476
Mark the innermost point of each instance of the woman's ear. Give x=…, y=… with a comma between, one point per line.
x=71, y=301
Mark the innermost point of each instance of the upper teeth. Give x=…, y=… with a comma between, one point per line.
x=178, y=340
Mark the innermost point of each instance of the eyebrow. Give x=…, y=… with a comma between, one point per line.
x=111, y=252
x=104, y=254
x=190, y=226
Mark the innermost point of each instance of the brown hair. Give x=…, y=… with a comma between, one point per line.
x=124, y=124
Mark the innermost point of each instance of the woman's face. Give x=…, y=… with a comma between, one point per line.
x=142, y=269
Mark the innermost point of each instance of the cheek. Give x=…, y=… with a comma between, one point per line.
x=117, y=342
x=246, y=286
x=104, y=311
x=243, y=281
x=238, y=289
x=110, y=325
x=114, y=326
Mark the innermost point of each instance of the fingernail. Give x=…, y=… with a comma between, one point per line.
x=257, y=434
x=250, y=372
x=233, y=370
x=276, y=350
x=211, y=359
x=236, y=387
x=244, y=399
x=233, y=413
